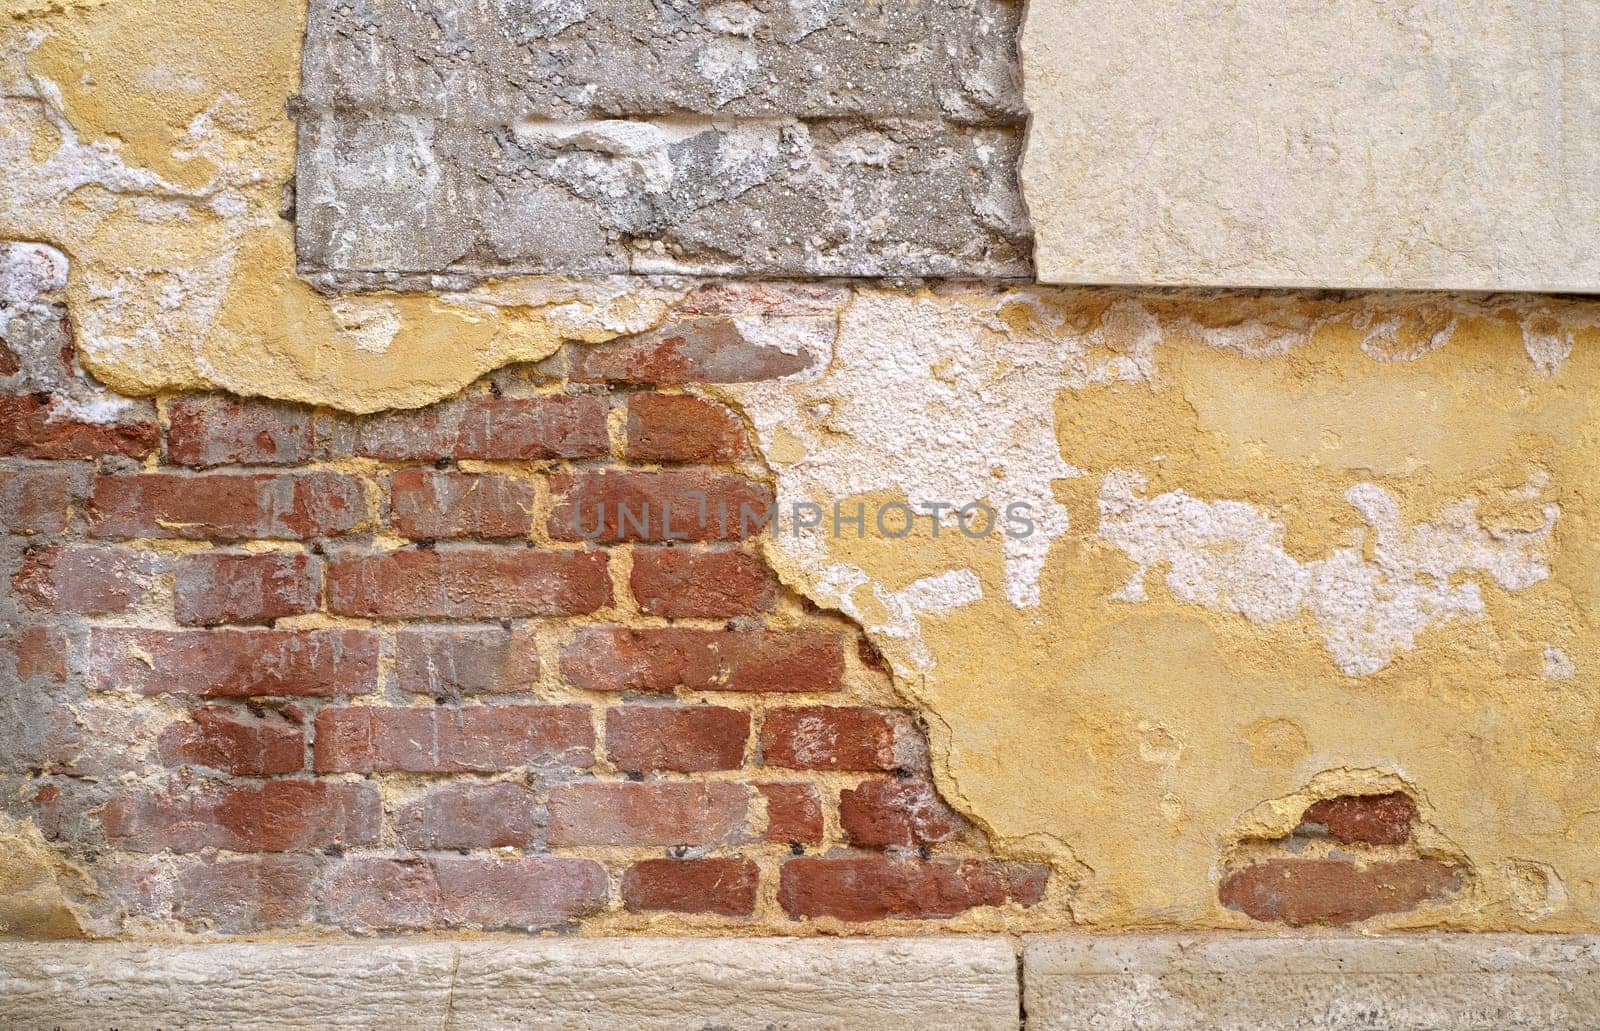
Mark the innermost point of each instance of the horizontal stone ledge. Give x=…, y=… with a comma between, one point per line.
x=631, y=983
x=1459, y=982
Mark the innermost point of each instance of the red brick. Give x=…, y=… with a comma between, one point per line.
x=235, y=663
x=245, y=893
x=648, y=813
x=606, y=658
x=231, y=587
x=235, y=741
x=685, y=738
x=681, y=428
x=614, y=505
x=449, y=504
x=35, y=501
x=535, y=892
x=1365, y=819
x=88, y=581
x=39, y=651
x=678, y=583
x=794, y=812
x=227, y=506
x=693, y=351
x=817, y=737
x=272, y=816
x=866, y=888
x=878, y=813
x=491, y=428
x=41, y=427
x=449, y=663
x=1299, y=892
x=472, y=738
x=219, y=430
x=468, y=583
x=499, y=815
x=726, y=887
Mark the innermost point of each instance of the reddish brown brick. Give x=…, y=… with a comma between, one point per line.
x=244, y=893
x=685, y=738
x=818, y=737
x=468, y=583
x=530, y=893
x=492, y=428
x=706, y=350
x=681, y=428
x=613, y=505
x=726, y=887
x=679, y=583
x=648, y=813
x=865, y=888
x=85, y=580
x=451, y=662
x=226, y=506
x=35, y=501
x=36, y=426
x=878, y=813
x=220, y=430
x=235, y=741
x=621, y=659
x=1299, y=892
x=39, y=651
x=236, y=587
x=370, y=894
x=472, y=738
x=499, y=815
x=449, y=504
x=1367, y=819
x=235, y=663
x=794, y=812
x=272, y=816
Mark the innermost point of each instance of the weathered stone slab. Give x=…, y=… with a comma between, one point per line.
x=576, y=983
x=1466, y=982
x=1308, y=143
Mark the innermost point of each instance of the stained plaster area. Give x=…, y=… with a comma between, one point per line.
x=1284, y=547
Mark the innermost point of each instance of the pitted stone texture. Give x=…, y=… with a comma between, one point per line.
x=514, y=137
x=1467, y=982
x=635, y=983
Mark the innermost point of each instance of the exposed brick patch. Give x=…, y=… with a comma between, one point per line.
x=1299, y=892
x=273, y=816
x=725, y=887
x=244, y=893
x=865, y=888
x=1365, y=819
x=39, y=651
x=531, y=893
x=217, y=430
x=794, y=812
x=680, y=583
x=650, y=813
x=235, y=663
x=35, y=501
x=449, y=663
x=818, y=737
x=468, y=583
x=235, y=741
x=85, y=580
x=879, y=813
x=707, y=350
x=491, y=428
x=230, y=587
x=684, y=738
x=35, y=426
x=614, y=505
x=227, y=506
x=659, y=660
x=450, y=504
x=682, y=428
x=473, y=738
x=499, y=815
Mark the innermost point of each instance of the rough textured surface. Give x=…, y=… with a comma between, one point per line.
x=1239, y=145
x=645, y=983
x=1465, y=983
